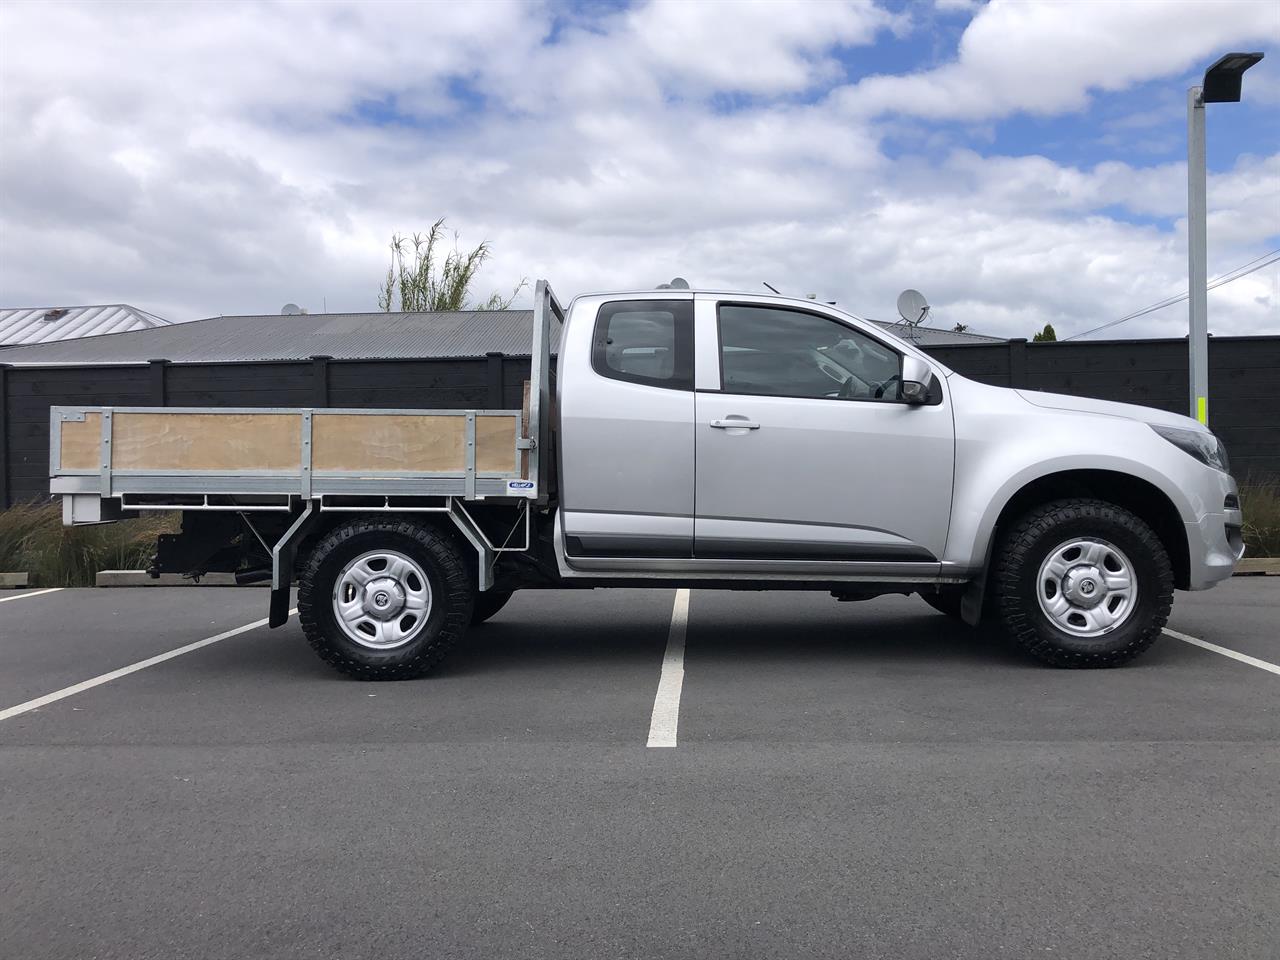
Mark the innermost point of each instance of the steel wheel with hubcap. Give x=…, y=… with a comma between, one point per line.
x=1081, y=583
x=1086, y=587
x=382, y=599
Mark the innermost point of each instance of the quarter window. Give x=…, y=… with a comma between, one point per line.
x=645, y=341
x=789, y=353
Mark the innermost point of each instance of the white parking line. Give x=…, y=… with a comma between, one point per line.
x=81, y=687
x=29, y=593
x=666, y=705
x=1242, y=657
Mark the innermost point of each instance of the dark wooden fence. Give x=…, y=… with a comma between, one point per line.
x=1244, y=385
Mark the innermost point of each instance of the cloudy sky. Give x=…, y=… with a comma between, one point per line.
x=1019, y=162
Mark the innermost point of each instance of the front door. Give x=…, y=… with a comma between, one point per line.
x=803, y=449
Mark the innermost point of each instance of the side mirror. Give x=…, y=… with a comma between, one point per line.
x=916, y=376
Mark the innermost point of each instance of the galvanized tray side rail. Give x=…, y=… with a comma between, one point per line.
x=93, y=467
x=545, y=308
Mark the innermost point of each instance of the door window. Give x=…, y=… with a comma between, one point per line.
x=645, y=341
x=789, y=353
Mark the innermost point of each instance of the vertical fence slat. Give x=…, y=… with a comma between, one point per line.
x=320, y=380
x=1018, y=362
x=495, y=381
x=157, y=372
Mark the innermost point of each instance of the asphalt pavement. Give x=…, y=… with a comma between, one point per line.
x=851, y=780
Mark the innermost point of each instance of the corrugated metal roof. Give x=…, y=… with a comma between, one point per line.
x=467, y=333
x=344, y=336
x=21, y=325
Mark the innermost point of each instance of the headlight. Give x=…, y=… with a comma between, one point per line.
x=1205, y=447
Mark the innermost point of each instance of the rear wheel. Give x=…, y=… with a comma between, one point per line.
x=488, y=603
x=384, y=599
x=1082, y=583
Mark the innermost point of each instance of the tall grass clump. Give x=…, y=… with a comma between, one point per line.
x=1260, y=503
x=33, y=539
x=423, y=278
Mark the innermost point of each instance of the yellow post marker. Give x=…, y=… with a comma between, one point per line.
x=1202, y=410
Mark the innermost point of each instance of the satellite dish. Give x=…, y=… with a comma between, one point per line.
x=290, y=310
x=679, y=283
x=912, y=306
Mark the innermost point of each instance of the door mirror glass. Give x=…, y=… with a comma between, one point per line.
x=916, y=377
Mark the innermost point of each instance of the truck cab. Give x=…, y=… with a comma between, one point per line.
x=741, y=437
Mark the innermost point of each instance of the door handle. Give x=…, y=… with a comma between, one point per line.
x=732, y=424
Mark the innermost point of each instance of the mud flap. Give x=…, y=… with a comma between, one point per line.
x=975, y=594
x=279, y=613
x=971, y=600
x=282, y=557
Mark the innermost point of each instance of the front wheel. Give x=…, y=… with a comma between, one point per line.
x=1082, y=583
x=384, y=599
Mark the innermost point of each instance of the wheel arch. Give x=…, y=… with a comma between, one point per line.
x=1140, y=497
x=326, y=521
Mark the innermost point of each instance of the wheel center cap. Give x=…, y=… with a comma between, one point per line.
x=1083, y=586
x=383, y=598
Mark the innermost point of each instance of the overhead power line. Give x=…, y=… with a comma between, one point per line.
x=1221, y=281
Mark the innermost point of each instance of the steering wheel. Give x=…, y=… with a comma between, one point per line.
x=885, y=386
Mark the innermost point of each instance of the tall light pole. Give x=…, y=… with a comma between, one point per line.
x=1221, y=85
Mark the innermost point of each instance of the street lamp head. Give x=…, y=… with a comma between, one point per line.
x=1222, y=80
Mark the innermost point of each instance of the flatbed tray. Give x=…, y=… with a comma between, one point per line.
x=305, y=452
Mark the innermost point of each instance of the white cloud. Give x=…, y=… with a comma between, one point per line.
x=1045, y=58
x=767, y=48
x=207, y=159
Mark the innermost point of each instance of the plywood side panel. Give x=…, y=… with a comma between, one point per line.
x=496, y=445
x=206, y=441
x=81, y=443
x=366, y=444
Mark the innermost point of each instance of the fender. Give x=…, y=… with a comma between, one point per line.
x=1001, y=449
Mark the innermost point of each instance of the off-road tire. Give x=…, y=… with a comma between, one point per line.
x=1016, y=566
x=488, y=603
x=453, y=597
x=945, y=599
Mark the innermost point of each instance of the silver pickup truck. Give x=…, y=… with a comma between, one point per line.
x=688, y=438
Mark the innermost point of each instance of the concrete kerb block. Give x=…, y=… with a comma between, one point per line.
x=1258, y=566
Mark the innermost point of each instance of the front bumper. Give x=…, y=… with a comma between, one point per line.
x=1215, y=542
